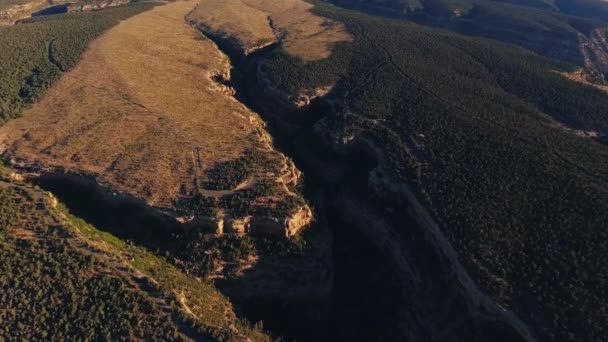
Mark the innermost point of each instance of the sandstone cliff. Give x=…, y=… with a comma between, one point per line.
x=17, y=12
x=595, y=53
x=94, y=6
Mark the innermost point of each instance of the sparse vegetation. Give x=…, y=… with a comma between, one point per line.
x=229, y=174
x=264, y=196
x=471, y=123
x=250, y=24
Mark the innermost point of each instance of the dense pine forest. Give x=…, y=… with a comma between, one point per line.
x=35, y=52
x=477, y=127
x=551, y=28
x=49, y=291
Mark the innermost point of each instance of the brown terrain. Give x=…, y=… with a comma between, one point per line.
x=594, y=50
x=144, y=115
x=249, y=25
x=252, y=24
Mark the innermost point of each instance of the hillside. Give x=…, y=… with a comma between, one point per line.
x=35, y=55
x=324, y=173
x=253, y=24
x=572, y=31
x=497, y=145
x=64, y=279
x=138, y=118
x=170, y=141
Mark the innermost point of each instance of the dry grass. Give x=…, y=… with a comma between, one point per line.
x=235, y=20
x=136, y=107
x=302, y=33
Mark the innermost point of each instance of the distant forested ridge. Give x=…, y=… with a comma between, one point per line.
x=572, y=31
x=477, y=127
x=36, y=52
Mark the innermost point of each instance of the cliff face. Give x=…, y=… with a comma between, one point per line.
x=595, y=53
x=18, y=12
x=286, y=226
x=94, y=6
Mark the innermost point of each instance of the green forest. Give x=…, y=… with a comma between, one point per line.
x=549, y=28
x=49, y=291
x=474, y=126
x=36, y=51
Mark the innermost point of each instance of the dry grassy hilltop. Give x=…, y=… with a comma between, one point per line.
x=146, y=114
x=252, y=24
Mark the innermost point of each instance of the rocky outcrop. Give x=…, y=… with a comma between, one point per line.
x=94, y=6
x=207, y=223
x=301, y=218
x=18, y=12
x=595, y=53
x=305, y=97
x=238, y=226
x=222, y=79
x=255, y=225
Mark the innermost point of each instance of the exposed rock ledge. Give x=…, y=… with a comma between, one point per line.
x=255, y=225
x=594, y=50
x=85, y=7
x=221, y=223
x=18, y=12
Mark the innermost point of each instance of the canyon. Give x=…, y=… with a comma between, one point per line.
x=347, y=190
x=175, y=134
